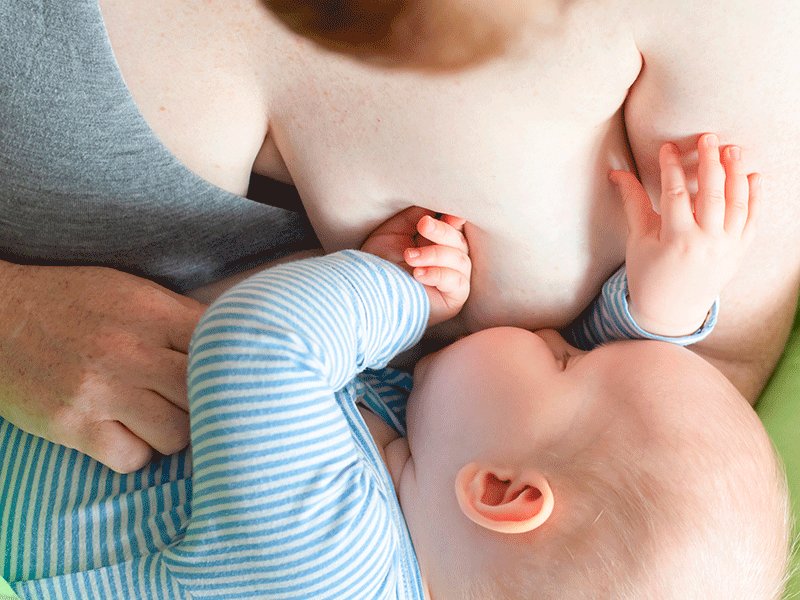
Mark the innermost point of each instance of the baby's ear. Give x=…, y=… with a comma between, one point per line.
x=504, y=500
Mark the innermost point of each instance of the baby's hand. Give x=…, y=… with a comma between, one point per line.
x=679, y=261
x=434, y=251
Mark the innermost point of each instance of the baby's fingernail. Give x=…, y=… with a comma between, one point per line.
x=734, y=152
x=413, y=253
x=712, y=141
x=420, y=272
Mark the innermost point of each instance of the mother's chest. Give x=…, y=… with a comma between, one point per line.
x=362, y=144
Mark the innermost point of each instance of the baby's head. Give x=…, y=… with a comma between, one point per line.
x=635, y=470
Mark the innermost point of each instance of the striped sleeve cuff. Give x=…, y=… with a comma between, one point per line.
x=614, y=297
x=609, y=319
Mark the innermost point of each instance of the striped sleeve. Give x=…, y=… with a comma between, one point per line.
x=609, y=319
x=283, y=505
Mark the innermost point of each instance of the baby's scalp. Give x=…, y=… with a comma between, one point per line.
x=679, y=493
x=699, y=510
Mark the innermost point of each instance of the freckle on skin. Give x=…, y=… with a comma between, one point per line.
x=162, y=108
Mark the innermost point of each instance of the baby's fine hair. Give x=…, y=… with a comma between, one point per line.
x=626, y=534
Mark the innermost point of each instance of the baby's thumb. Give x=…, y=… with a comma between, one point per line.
x=639, y=211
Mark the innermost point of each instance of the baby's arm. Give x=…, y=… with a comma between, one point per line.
x=678, y=262
x=609, y=318
x=276, y=467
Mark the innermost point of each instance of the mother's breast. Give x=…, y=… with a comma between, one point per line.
x=526, y=164
x=545, y=227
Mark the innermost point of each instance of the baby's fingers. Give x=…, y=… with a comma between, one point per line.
x=737, y=192
x=709, y=204
x=639, y=211
x=457, y=222
x=453, y=285
x=439, y=256
x=676, y=204
x=444, y=232
x=754, y=206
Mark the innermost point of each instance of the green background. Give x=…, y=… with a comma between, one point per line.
x=779, y=409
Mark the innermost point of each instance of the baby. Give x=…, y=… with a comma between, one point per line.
x=521, y=466
x=518, y=467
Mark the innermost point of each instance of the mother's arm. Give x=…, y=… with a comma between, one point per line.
x=729, y=67
x=211, y=291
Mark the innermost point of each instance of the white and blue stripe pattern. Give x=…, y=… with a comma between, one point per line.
x=609, y=319
x=71, y=528
x=289, y=497
x=292, y=499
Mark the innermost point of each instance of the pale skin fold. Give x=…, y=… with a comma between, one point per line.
x=519, y=146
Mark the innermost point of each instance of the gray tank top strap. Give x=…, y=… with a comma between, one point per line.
x=83, y=179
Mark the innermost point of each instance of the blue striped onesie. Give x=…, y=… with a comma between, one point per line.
x=285, y=494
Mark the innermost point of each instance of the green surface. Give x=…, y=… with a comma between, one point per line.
x=5, y=591
x=779, y=409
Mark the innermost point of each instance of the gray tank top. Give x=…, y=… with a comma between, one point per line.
x=84, y=180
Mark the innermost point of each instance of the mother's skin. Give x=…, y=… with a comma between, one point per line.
x=519, y=146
